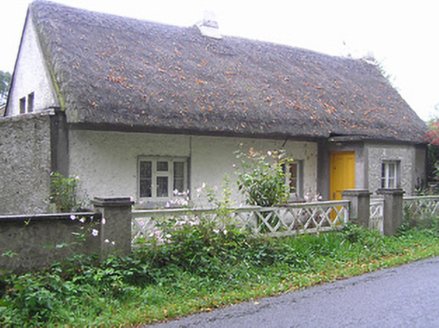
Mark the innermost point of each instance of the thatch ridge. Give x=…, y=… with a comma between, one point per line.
x=125, y=71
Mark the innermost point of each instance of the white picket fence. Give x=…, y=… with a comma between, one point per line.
x=274, y=221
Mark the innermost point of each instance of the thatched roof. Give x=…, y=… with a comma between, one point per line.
x=124, y=72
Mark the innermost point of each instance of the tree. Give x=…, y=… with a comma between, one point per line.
x=432, y=137
x=5, y=82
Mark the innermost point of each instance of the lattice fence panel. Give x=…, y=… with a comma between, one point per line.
x=275, y=221
x=421, y=207
x=376, y=221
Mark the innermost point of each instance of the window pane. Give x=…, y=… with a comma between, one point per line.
x=179, y=176
x=145, y=179
x=392, y=175
x=145, y=188
x=30, y=103
x=293, y=176
x=389, y=175
x=162, y=186
x=391, y=183
x=162, y=166
x=22, y=105
x=145, y=170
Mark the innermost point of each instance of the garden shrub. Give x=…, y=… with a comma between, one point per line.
x=63, y=193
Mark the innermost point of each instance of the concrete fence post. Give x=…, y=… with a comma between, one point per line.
x=359, y=209
x=393, y=209
x=115, y=232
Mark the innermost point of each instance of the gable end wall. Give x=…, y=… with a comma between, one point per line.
x=30, y=76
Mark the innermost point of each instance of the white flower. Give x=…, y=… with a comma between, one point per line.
x=106, y=241
x=269, y=153
x=82, y=220
x=175, y=192
x=307, y=196
x=103, y=221
x=225, y=232
x=94, y=232
x=216, y=230
x=72, y=217
x=113, y=243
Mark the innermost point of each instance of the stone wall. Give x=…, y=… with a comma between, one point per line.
x=29, y=242
x=25, y=164
x=368, y=159
x=411, y=164
x=34, y=241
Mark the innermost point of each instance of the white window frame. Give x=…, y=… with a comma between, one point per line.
x=298, y=190
x=155, y=173
x=390, y=174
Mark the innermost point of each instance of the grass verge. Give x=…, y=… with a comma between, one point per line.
x=203, y=268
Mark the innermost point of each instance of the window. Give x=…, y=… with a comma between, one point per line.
x=30, y=102
x=390, y=174
x=295, y=177
x=159, y=177
x=23, y=105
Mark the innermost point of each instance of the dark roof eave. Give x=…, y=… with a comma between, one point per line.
x=363, y=138
x=114, y=127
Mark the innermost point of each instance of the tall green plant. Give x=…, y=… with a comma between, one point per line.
x=63, y=192
x=261, y=178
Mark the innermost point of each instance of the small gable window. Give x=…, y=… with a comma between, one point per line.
x=390, y=177
x=158, y=178
x=23, y=105
x=30, y=102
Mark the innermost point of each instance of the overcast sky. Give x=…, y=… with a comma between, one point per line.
x=402, y=35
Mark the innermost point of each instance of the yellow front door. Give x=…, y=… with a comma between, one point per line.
x=342, y=173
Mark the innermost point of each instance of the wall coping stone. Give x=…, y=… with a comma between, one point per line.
x=112, y=201
x=396, y=192
x=356, y=192
x=20, y=117
x=46, y=217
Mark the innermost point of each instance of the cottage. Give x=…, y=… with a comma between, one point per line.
x=136, y=108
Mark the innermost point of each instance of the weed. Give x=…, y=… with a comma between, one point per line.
x=203, y=266
x=63, y=192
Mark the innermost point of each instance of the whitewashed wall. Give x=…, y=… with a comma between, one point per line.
x=30, y=75
x=411, y=166
x=106, y=162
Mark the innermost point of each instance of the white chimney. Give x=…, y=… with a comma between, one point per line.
x=209, y=26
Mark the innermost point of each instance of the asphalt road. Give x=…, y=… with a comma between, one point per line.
x=405, y=296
